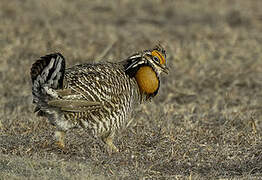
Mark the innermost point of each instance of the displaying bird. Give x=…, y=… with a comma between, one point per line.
x=98, y=97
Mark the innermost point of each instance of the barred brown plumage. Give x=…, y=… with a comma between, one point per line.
x=99, y=97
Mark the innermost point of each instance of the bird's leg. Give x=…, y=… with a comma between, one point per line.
x=60, y=136
x=108, y=140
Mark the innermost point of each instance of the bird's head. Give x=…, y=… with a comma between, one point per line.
x=154, y=58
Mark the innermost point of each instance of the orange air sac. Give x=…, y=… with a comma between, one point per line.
x=147, y=80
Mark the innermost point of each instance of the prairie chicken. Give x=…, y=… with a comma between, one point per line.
x=99, y=97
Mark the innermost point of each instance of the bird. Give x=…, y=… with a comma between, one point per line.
x=99, y=97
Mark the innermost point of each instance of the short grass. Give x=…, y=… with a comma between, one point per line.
x=206, y=121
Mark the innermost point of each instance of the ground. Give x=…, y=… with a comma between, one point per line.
x=206, y=121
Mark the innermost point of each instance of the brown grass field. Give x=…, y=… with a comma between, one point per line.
x=205, y=123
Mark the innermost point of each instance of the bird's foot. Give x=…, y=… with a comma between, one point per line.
x=60, y=145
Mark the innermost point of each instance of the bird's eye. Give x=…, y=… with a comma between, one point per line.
x=158, y=57
x=155, y=58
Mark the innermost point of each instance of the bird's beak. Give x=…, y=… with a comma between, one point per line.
x=165, y=69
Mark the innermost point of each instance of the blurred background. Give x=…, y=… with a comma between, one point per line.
x=205, y=121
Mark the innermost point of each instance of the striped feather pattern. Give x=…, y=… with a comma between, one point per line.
x=106, y=83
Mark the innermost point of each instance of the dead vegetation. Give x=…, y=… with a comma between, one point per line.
x=205, y=122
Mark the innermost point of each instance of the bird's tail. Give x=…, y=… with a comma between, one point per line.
x=47, y=75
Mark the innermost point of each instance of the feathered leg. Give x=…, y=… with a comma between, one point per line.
x=60, y=137
x=108, y=140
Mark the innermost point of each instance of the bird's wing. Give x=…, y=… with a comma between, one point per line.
x=88, y=89
x=75, y=105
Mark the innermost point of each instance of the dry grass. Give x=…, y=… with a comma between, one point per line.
x=206, y=120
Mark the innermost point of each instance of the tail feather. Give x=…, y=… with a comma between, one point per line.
x=47, y=75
